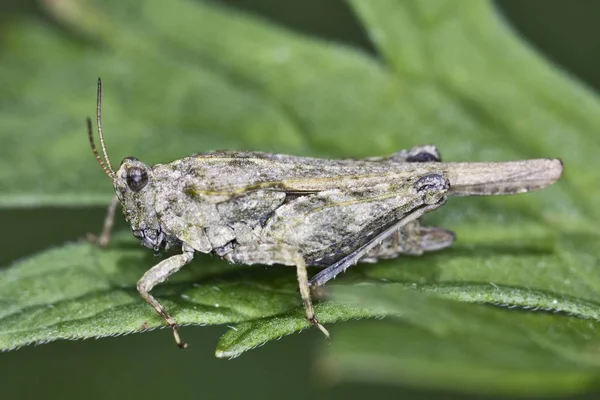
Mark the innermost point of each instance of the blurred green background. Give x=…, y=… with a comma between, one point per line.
x=148, y=365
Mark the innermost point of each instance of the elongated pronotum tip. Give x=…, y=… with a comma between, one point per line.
x=512, y=177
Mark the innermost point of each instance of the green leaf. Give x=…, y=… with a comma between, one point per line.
x=453, y=345
x=250, y=335
x=80, y=291
x=189, y=77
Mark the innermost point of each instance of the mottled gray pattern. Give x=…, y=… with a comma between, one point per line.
x=252, y=207
x=261, y=208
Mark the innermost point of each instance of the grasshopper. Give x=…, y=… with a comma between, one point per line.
x=261, y=208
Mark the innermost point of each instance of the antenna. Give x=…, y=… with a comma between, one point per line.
x=106, y=166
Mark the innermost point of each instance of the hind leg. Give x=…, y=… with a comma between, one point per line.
x=388, y=234
x=414, y=239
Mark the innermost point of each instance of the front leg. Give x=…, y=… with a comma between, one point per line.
x=280, y=254
x=104, y=237
x=158, y=274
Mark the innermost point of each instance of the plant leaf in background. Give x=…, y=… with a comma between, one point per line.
x=500, y=351
x=190, y=76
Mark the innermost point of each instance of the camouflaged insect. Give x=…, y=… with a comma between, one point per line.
x=260, y=208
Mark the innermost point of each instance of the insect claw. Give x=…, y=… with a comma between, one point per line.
x=98, y=240
x=320, y=327
x=181, y=344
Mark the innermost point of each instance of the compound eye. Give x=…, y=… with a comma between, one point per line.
x=129, y=159
x=137, y=178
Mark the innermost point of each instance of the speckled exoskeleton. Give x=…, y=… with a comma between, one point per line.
x=260, y=208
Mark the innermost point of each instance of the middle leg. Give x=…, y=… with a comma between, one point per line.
x=270, y=254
